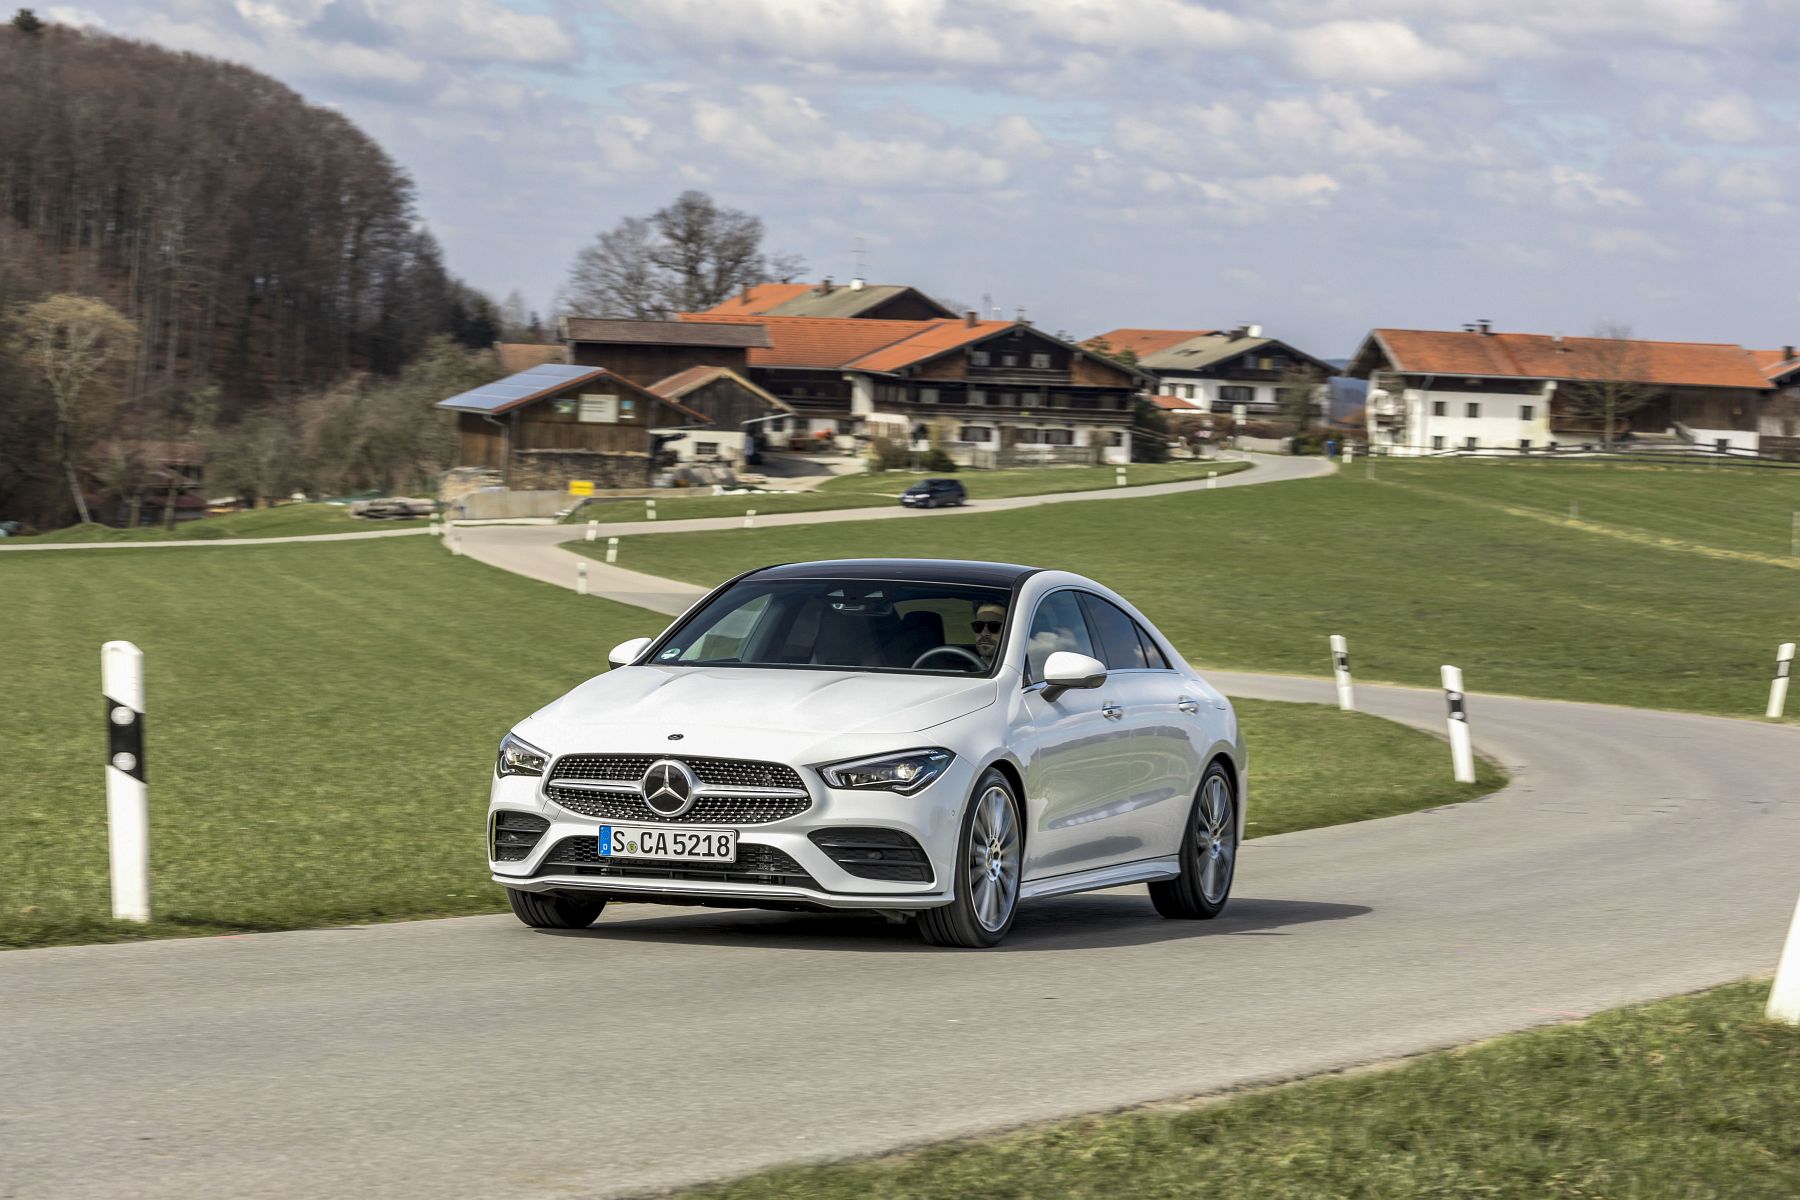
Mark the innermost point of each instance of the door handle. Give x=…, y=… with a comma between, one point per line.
x=1187, y=704
x=1112, y=711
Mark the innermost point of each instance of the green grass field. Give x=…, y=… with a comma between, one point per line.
x=322, y=720
x=881, y=489
x=1688, y=1098
x=1423, y=565
x=290, y=520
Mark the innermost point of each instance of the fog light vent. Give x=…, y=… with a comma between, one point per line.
x=511, y=835
x=873, y=853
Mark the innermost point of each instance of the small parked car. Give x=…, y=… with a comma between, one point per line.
x=934, y=741
x=934, y=493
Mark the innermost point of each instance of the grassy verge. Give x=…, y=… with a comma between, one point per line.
x=881, y=490
x=322, y=720
x=1690, y=1097
x=290, y=520
x=1425, y=564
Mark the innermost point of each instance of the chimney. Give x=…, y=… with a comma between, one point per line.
x=1787, y=353
x=1486, y=326
x=971, y=318
x=825, y=286
x=1253, y=330
x=1556, y=340
x=857, y=284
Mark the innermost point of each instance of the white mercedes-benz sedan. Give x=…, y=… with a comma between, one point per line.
x=925, y=739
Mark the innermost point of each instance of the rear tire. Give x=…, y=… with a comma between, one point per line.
x=541, y=911
x=1209, y=846
x=985, y=876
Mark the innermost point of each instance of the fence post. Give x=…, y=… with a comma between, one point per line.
x=1340, y=667
x=1462, y=751
x=612, y=549
x=581, y=579
x=127, y=782
x=1119, y=476
x=1784, y=666
x=649, y=510
x=593, y=530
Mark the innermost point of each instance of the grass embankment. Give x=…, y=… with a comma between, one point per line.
x=882, y=489
x=322, y=720
x=290, y=520
x=1428, y=563
x=1690, y=1097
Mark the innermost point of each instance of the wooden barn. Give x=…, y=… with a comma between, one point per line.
x=554, y=424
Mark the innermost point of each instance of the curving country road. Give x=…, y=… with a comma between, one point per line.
x=1634, y=854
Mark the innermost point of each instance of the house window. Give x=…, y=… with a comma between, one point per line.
x=1525, y=444
x=706, y=449
x=1437, y=442
x=978, y=358
x=1115, y=438
x=1527, y=411
x=1468, y=443
x=1009, y=399
x=1059, y=437
x=976, y=433
x=977, y=396
x=1040, y=362
x=1265, y=363
x=1028, y=437
x=1437, y=408
x=1009, y=360
x=928, y=395
x=627, y=409
x=1472, y=409
x=1235, y=394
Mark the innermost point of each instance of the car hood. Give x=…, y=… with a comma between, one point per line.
x=633, y=701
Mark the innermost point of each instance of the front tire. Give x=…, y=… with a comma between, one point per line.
x=1209, y=848
x=989, y=864
x=542, y=911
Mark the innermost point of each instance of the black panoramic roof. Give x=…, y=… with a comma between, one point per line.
x=908, y=570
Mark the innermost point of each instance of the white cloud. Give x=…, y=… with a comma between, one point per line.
x=1564, y=188
x=1373, y=52
x=1732, y=117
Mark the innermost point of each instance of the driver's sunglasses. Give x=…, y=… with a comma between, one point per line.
x=985, y=626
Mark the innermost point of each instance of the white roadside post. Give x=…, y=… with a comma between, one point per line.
x=1349, y=454
x=436, y=529
x=593, y=530
x=749, y=518
x=1212, y=480
x=1784, y=997
x=127, y=786
x=612, y=549
x=1796, y=535
x=1784, y=666
x=581, y=579
x=455, y=540
x=1340, y=667
x=1462, y=752
x=1118, y=476
x=649, y=510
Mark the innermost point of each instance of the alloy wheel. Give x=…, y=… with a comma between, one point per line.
x=993, y=866
x=1215, y=839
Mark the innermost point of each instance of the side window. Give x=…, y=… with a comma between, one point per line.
x=1120, y=648
x=1153, y=656
x=1058, y=625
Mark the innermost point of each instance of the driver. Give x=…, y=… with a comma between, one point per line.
x=989, y=616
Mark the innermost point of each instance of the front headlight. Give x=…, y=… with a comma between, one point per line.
x=905, y=772
x=519, y=757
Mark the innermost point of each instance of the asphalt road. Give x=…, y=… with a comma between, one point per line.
x=1635, y=854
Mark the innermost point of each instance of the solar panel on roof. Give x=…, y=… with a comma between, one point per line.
x=490, y=397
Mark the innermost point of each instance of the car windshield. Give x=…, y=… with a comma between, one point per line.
x=845, y=625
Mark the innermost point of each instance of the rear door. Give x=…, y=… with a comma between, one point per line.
x=1159, y=718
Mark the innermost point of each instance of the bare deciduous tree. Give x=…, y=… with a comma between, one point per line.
x=1614, y=386
x=79, y=347
x=1297, y=395
x=685, y=257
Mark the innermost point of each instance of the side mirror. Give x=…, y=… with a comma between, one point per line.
x=1065, y=670
x=626, y=653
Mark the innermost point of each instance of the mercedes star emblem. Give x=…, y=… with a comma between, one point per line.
x=668, y=787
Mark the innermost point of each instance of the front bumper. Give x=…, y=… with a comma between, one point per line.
x=932, y=818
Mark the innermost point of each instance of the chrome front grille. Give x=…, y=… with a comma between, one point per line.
x=732, y=791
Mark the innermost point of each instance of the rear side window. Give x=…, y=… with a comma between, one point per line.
x=1153, y=655
x=1118, y=635
x=1057, y=625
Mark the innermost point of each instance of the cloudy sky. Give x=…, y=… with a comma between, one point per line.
x=1319, y=166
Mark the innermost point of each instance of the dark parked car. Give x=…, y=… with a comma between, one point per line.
x=934, y=493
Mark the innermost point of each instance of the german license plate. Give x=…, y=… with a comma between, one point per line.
x=685, y=845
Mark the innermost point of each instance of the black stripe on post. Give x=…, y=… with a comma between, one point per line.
x=1782, y=666
x=125, y=739
x=1457, y=711
x=1343, y=661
